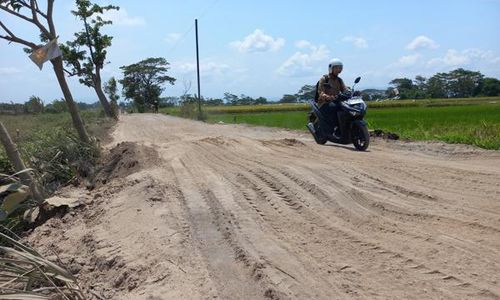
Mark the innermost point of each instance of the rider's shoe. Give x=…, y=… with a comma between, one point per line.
x=336, y=133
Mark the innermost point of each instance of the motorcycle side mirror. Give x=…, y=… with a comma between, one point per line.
x=357, y=80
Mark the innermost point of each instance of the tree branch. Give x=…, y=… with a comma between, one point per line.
x=33, y=20
x=89, y=42
x=37, y=9
x=10, y=11
x=33, y=11
x=19, y=41
x=37, y=22
x=70, y=74
x=28, y=6
x=13, y=38
x=50, y=10
x=6, y=29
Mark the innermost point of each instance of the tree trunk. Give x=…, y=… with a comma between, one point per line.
x=17, y=162
x=102, y=97
x=73, y=109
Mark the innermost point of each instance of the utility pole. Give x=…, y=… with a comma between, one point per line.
x=200, y=117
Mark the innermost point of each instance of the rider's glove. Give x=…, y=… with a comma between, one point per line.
x=339, y=98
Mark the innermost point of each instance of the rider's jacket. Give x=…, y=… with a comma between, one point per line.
x=332, y=87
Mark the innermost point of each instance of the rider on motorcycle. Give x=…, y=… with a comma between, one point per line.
x=328, y=89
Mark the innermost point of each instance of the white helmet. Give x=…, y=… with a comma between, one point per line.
x=334, y=63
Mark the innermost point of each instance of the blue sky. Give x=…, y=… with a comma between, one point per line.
x=269, y=48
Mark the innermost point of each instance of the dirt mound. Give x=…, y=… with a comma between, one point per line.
x=442, y=149
x=384, y=134
x=69, y=241
x=284, y=142
x=124, y=159
x=219, y=140
x=78, y=239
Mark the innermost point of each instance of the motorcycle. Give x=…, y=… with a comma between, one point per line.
x=352, y=128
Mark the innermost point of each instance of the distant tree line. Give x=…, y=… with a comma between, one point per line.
x=145, y=91
x=228, y=99
x=459, y=83
x=305, y=93
x=35, y=105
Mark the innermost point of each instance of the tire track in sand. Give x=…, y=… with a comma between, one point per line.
x=425, y=272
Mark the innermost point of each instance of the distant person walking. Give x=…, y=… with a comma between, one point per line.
x=156, y=104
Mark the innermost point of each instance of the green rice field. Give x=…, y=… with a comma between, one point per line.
x=475, y=124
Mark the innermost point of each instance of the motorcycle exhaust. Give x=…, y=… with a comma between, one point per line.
x=310, y=126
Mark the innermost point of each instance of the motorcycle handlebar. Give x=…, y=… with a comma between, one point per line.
x=343, y=96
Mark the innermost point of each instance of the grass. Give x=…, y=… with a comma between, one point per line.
x=281, y=107
x=475, y=125
x=291, y=120
x=44, y=135
x=51, y=148
x=22, y=127
x=242, y=108
x=468, y=124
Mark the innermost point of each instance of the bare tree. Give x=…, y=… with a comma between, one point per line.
x=30, y=12
x=187, y=87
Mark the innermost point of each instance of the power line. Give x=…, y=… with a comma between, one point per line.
x=183, y=36
x=207, y=9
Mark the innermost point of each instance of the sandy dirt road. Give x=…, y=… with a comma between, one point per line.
x=196, y=211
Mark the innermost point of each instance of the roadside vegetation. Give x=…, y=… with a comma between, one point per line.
x=280, y=107
x=48, y=145
x=54, y=156
x=468, y=121
x=477, y=125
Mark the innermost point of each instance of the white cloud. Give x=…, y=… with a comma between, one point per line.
x=475, y=53
x=452, y=58
x=421, y=42
x=9, y=71
x=465, y=57
x=173, y=38
x=455, y=58
x=302, y=63
x=358, y=42
x=409, y=60
x=121, y=18
x=302, y=44
x=258, y=41
x=206, y=68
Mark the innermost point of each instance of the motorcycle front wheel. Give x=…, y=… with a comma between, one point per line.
x=360, y=136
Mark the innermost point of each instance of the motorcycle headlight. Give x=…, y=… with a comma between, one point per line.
x=360, y=107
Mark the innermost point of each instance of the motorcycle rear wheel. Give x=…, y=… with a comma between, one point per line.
x=360, y=137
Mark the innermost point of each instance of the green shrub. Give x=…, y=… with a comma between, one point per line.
x=5, y=166
x=189, y=109
x=59, y=157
